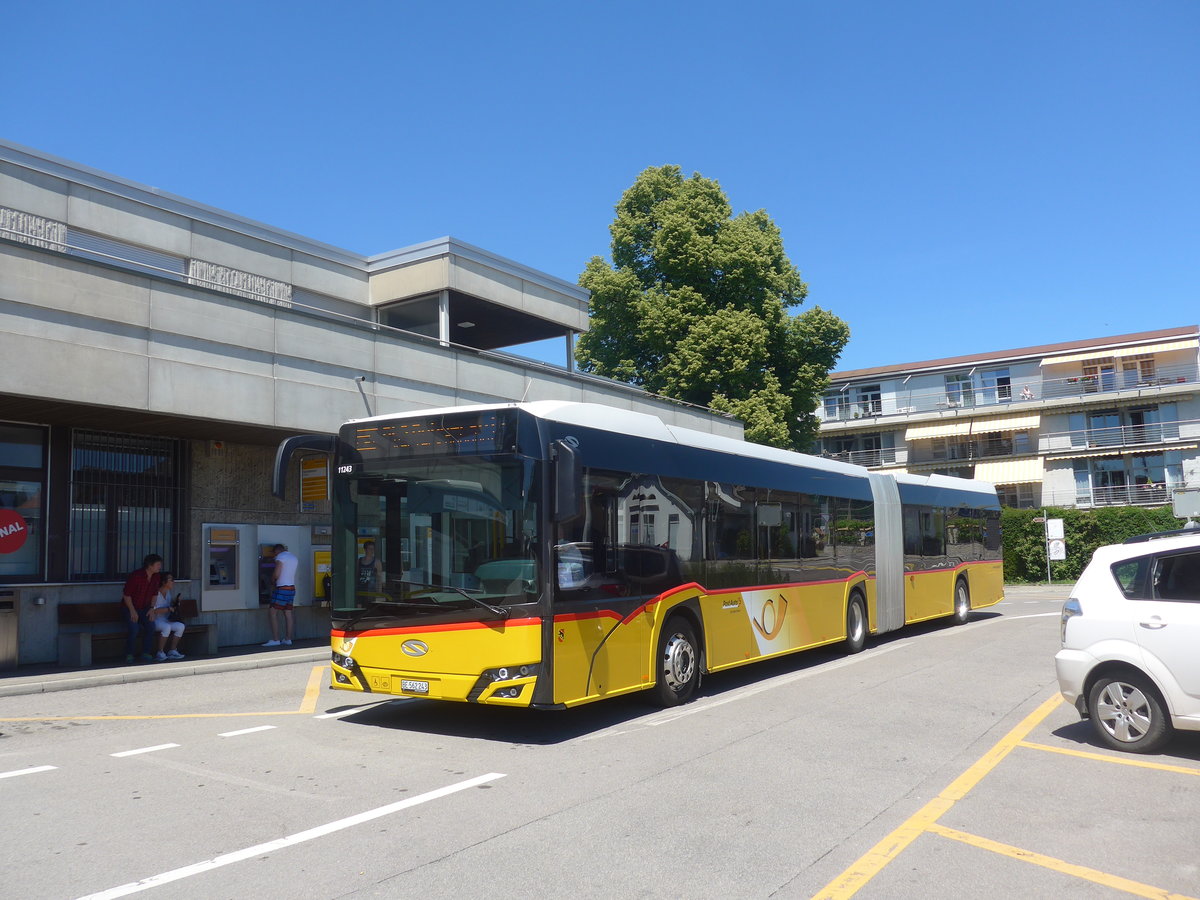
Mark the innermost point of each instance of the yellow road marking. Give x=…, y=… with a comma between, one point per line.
x=307, y=706
x=1119, y=760
x=1049, y=862
x=873, y=861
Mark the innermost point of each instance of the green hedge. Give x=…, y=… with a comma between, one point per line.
x=1084, y=531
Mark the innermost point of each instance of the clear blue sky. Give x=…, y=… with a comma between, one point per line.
x=950, y=177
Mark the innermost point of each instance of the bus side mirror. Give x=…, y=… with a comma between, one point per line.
x=568, y=482
x=325, y=443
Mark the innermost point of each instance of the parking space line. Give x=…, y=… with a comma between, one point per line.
x=153, y=749
x=338, y=713
x=1057, y=865
x=874, y=860
x=1118, y=760
x=242, y=731
x=291, y=840
x=30, y=771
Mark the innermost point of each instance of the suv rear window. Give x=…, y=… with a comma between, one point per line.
x=1131, y=576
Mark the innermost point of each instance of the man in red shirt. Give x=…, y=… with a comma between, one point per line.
x=138, y=597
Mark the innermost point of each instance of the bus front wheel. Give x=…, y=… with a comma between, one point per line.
x=962, y=602
x=856, y=624
x=678, y=663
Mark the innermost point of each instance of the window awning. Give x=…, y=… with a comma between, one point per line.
x=1010, y=471
x=962, y=426
x=1189, y=344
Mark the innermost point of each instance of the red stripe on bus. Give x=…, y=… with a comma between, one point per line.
x=961, y=565
x=458, y=626
x=594, y=614
x=792, y=584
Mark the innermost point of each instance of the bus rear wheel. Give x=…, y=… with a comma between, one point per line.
x=962, y=602
x=677, y=663
x=856, y=624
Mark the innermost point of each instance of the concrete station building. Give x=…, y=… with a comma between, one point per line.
x=156, y=350
x=1099, y=422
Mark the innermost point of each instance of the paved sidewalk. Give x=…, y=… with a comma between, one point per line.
x=42, y=679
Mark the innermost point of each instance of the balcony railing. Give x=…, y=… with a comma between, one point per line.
x=1123, y=495
x=1121, y=436
x=999, y=397
x=870, y=458
x=963, y=452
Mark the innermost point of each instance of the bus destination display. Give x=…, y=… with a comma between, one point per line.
x=459, y=434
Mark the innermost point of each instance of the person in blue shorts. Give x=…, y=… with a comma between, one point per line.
x=283, y=596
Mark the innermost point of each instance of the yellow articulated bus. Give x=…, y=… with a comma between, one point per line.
x=550, y=554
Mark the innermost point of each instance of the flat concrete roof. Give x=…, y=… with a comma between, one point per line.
x=70, y=171
x=950, y=362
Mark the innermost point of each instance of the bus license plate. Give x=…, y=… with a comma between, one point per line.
x=414, y=687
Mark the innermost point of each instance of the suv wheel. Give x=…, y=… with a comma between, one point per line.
x=1127, y=714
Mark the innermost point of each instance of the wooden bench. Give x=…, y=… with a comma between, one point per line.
x=90, y=632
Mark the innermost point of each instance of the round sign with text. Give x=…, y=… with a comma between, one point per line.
x=13, y=531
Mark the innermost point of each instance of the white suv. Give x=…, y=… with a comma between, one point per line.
x=1130, y=657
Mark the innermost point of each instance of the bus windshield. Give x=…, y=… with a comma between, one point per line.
x=434, y=535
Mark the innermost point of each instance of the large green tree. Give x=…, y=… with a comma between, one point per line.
x=696, y=305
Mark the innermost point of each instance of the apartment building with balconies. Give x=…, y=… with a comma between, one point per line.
x=1097, y=422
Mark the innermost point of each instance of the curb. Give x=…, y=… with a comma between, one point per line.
x=156, y=672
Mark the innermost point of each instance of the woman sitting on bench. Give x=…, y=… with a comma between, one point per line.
x=161, y=614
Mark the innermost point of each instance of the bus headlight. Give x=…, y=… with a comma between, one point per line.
x=506, y=673
x=492, y=678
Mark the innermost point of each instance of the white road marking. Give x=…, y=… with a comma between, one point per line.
x=743, y=693
x=670, y=715
x=667, y=716
x=353, y=709
x=246, y=731
x=300, y=837
x=144, y=750
x=30, y=771
x=340, y=713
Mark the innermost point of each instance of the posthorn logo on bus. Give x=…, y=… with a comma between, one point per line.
x=414, y=648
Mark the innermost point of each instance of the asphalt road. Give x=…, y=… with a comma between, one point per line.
x=935, y=764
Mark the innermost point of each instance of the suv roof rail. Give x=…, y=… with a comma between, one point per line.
x=1192, y=528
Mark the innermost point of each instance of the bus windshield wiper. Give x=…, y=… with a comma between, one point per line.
x=499, y=611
